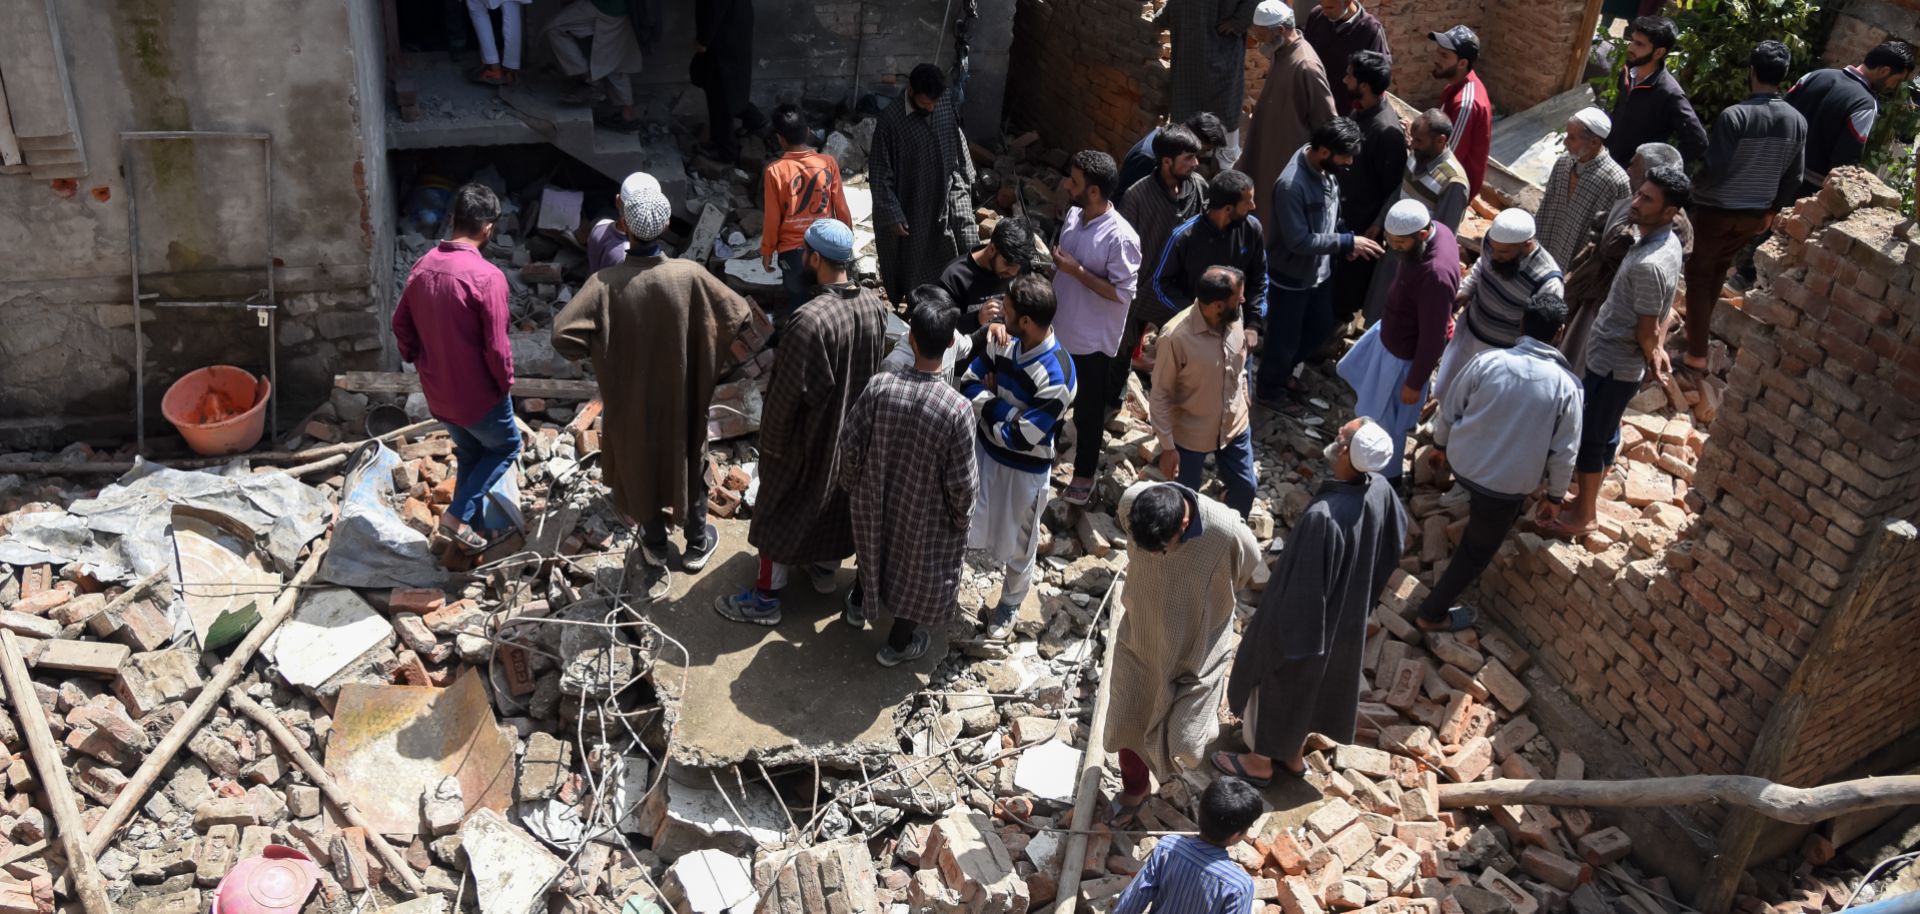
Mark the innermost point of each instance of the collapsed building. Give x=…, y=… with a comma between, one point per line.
x=1739, y=611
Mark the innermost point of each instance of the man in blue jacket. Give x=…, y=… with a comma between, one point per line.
x=1306, y=217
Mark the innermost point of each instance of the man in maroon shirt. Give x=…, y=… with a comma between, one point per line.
x=1465, y=100
x=451, y=323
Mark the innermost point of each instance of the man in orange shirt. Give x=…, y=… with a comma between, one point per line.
x=801, y=186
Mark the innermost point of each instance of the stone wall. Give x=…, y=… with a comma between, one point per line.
x=1862, y=24
x=1682, y=650
x=66, y=347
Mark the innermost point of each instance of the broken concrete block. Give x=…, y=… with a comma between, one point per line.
x=711, y=882
x=685, y=819
x=303, y=802
x=218, y=852
x=1554, y=870
x=442, y=807
x=185, y=901
x=93, y=658
x=166, y=861
x=1371, y=762
x=151, y=679
x=544, y=767
x=973, y=861
x=233, y=811
x=1605, y=846
x=1331, y=818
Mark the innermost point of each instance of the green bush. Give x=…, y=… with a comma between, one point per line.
x=1710, y=60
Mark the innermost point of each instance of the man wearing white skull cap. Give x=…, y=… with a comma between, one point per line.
x=1513, y=270
x=1585, y=181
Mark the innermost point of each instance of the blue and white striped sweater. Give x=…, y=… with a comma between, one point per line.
x=1020, y=418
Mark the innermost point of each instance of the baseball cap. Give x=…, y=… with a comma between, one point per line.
x=1460, y=40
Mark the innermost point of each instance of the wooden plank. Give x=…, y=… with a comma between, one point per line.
x=62, y=807
x=1582, y=46
x=39, y=94
x=9, y=142
x=398, y=382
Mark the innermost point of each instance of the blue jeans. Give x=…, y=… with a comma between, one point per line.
x=1606, y=403
x=1298, y=321
x=1234, y=462
x=483, y=452
x=795, y=279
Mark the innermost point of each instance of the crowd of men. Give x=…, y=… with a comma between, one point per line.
x=1523, y=363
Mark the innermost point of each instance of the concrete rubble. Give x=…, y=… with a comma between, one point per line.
x=967, y=812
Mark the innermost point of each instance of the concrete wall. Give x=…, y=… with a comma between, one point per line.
x=279, y=66
x=1862, y=24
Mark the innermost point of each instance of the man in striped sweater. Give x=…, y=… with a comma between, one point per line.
x=1020, y=387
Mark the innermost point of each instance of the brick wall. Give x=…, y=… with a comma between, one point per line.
x=1087, y=73
x=1683, y=650
x=1093, y=72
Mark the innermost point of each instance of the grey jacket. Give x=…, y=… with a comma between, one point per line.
x=1511, y=418
x=1306, y=233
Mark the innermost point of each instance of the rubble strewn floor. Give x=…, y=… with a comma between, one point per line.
x=660, y=757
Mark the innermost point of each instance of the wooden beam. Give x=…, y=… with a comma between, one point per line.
x=108, y=828
x=399, y=382
x=1800, y=806
x=82, y=871
x=1582, y=47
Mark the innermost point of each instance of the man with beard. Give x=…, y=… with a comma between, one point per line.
x=922, y=180
x=1432, y=176
x=1294, y=100
x=830, y=348
x=1652, y=108
x=1591, y=274
x=1307, y=235
x=1143, y=158
x=1297, y=670
x=1840, y=106
x=1389, y=367
x=1626, y=340
x=1097, y=267
x=1369, y=187
x=1465, y=101
x=1199, y=400
x=1585, y=181
x=1209, y=63
x=1513, y=271
x=1227, y=234
x=1154, y=206
x=1337, y=29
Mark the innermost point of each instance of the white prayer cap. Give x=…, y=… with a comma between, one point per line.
x=1595, y=120
x=1273, y=14
x=1512, y=226
x=644, y=206
x=1370, y=448
x=1408, y=217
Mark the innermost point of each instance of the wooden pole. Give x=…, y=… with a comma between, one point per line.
x=1582, y=46
x=82, y=871
x=1796, y=805
x=398, y=871
x=183, y=729
x=1068, y=895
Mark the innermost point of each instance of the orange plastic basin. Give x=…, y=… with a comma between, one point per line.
x=218, y=409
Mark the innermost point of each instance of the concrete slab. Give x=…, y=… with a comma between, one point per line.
x=806, y=689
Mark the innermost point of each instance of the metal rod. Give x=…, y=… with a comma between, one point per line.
x=194, y=135
x=139, y=331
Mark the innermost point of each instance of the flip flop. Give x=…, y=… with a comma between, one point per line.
x=1459, y=618
x=1078, y=494
x=1558, y=530
x=1237, y=770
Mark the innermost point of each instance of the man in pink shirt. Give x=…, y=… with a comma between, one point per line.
x=1097, y=266
x=451, y=323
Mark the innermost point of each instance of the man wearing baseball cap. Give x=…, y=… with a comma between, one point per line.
x=830, y=348
x=1465, y=100
x=660, y=331
x=1388, y=369
x=1298, y=667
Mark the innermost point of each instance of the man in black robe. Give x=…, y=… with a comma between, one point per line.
x=723, y=68
x=1302, y=649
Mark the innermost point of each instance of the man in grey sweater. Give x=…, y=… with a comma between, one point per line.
x=1510, y=420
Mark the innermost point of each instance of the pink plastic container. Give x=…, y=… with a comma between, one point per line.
x=276, y=882
x=218, y=409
